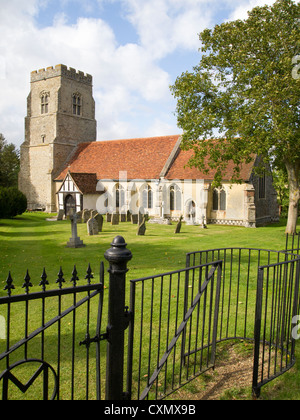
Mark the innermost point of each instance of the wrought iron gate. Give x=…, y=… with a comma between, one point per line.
x=180, y=346
x=41, y=350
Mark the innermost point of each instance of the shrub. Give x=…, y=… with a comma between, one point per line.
x=12, y=202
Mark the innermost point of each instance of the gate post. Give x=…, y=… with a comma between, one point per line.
x=117, y=256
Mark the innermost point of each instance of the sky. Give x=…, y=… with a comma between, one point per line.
x=134, y=49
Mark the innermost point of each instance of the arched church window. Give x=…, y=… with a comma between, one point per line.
x=77, y=104
x=222, y=200
x=175, y=198
x=219, y=200
x=120, y=196
x=147, y=197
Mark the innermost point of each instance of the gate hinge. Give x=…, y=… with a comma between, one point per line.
x=127, y=317
x=88, y=340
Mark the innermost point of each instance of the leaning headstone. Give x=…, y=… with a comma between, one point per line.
x=99, y=220
x=92, y=227
x=93, y=213
x=115, y=219
x=140, y=216
x=142, y=228
x=134, y=219
x=60, y=215
x=75, y=241
x=178, y=227
x=86, y=214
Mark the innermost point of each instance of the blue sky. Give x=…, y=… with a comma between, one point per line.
x=133, y=48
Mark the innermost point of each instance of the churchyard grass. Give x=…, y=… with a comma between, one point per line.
x=30, y=241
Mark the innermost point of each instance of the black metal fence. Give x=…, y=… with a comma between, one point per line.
x=41, y=356
x=174, y=336
x=57, y=345
x=259, y=298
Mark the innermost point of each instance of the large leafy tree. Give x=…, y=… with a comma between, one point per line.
x=246, y=94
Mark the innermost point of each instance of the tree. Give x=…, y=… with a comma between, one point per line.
x=12, y=202
x=243, y=99
x=9, y=163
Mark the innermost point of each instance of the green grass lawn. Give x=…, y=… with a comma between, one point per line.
x=30, y=242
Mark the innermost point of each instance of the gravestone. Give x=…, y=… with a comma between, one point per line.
x=123, y=217
x=99, y=220
x=108, y=217
x=142, y=227
x=92, y=227
x=86, y=214
x=75, y=241
x=60, y=215
x=134, y=219
x=79, y=216
x=115, y=219
x=128, y=216
x=93, y=213
x=178, y=227
x=140, y=215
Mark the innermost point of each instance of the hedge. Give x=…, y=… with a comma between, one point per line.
x=12, y=202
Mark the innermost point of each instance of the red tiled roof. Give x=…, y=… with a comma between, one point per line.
x=141, y=158
x=86, y=183
x=179, y=170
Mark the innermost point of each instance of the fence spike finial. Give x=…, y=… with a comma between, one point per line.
x=27, y=284
x=74, y=278
x=60, y=280
x=9, y=284
x=44, y=281
x=89, y=276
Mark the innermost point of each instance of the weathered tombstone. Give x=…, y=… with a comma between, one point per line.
x=134, y=219
x=79, y=216
x=123, y=217
x=92, y=227
x=108, y=217
x=178, y=227
x=128, y=216
x=142, y=228
x=99, y=220
x=60, y=215
x=75, y=241
x=93, y=213
x=140, y=215
x=85, y=215
x=115, y=218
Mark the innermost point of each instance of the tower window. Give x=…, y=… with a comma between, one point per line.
x=45, y=102
x=77, y=104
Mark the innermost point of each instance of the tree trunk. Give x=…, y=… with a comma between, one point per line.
x=293, y=170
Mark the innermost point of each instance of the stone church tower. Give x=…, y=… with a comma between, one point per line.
x=60, y=115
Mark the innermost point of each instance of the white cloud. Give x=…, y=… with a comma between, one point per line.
x=241, y=12
x=165, y=25
x=130, y=84
x=124, y=76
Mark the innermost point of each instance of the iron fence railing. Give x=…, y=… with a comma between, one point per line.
x=54, y=338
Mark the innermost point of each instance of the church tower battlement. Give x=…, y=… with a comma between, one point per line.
x=60, y=115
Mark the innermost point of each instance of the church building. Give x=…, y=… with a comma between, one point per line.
x=63, y=167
